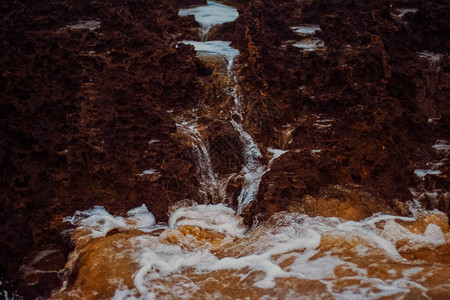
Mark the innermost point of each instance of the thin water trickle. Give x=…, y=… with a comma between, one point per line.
x=205, y=173
x=252, y=170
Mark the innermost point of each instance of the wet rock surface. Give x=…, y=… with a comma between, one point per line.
x=89, y=93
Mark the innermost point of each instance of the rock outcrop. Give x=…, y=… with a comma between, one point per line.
x=89, y=94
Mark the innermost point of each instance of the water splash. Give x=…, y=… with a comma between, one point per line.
x=205, y=251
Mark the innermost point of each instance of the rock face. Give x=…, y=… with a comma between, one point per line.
x=88, y=93
x=360, y=108
x=85, y=90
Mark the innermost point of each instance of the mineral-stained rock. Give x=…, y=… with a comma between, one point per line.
x=89, y=90
x=225, y=148
x=362, y=106
x=84, y=93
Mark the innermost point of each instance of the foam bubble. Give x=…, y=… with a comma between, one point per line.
x=98, y=222
x=219, y=218
x=432, y=237
x=140, y=218
x=158, y=260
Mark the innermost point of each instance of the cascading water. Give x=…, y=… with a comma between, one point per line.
x=253, y=170
x=205, y=172
x=205, y=251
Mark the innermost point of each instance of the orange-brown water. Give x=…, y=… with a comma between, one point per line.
x=206, y=252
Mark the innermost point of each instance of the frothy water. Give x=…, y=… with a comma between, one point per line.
x=206, y=252
x=211, y=15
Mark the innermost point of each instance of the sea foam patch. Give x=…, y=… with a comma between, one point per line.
x=339, y=258
x=98, y=222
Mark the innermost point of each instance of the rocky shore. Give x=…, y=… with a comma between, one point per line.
x=90, y=92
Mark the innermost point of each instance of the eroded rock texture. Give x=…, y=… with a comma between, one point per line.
x=88, y=90
x=358, y=108
x=85, y=90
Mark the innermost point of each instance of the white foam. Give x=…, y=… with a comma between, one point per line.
x=148, y=172
x=124, y=294
x=99, y=222
x=211, y=14
x=141, y=219
x=431, y=238
x=167, y=269
x=219, y=218
x=276, y=153
x=158, y=260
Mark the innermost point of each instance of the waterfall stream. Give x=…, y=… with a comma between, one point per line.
x=205, y=251
x=205, y=172
x=252, y=170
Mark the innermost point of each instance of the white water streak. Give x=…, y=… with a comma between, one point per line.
x=253, y=169
x=200, y=153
